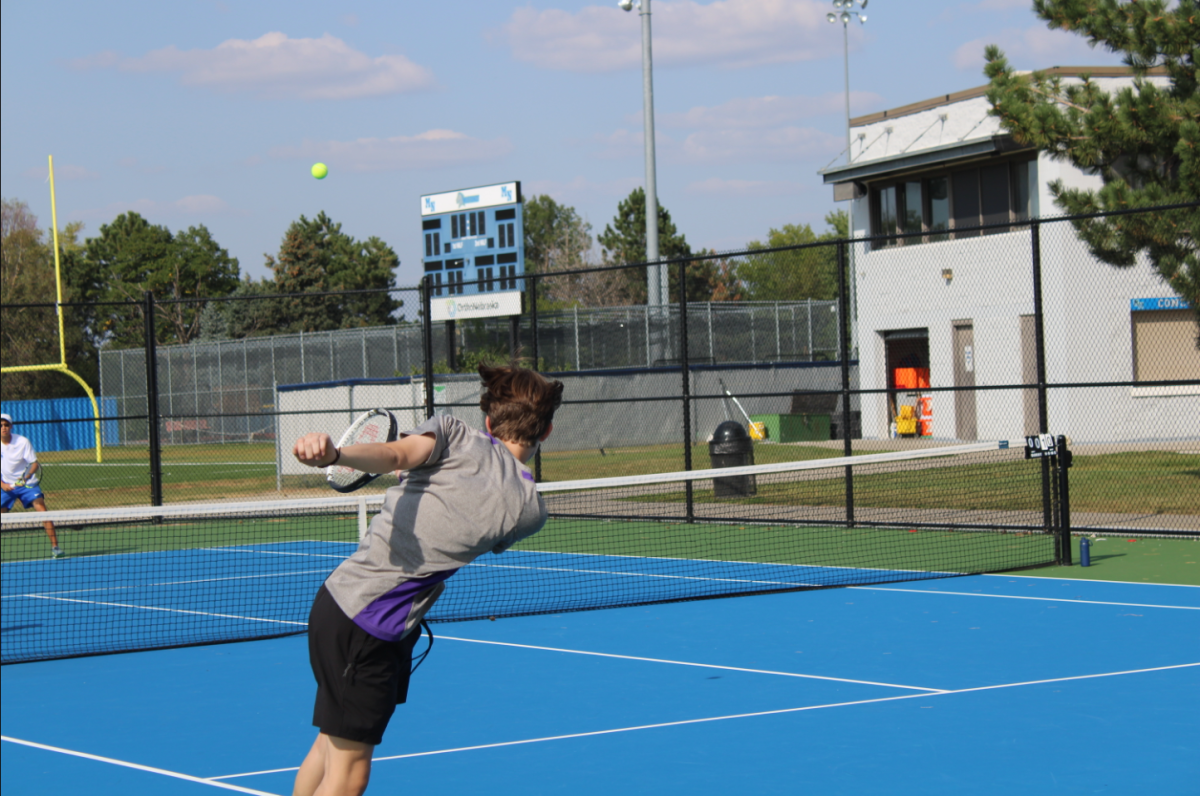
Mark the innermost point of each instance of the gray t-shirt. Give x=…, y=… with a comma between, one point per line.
x=470, y=496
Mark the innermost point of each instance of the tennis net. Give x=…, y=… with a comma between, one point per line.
x=156, y=577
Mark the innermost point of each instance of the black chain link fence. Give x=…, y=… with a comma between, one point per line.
x=996, y=334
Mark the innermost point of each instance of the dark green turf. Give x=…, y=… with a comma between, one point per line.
x=863, y=548
x=1136, y=561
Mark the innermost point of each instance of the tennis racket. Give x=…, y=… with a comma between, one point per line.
x=378, y=425
x=22, y=481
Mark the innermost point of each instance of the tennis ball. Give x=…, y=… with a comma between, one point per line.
x=319, y=170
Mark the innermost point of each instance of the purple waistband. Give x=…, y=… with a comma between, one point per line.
x=387, y=615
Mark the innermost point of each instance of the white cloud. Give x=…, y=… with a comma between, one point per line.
x=153, y=209
x=431, y=149
x=277, y=67
x=62, y=171
x=1035, y=47
x=727, y=33
x=715, y=185
x=774, y=145
x=751, y=112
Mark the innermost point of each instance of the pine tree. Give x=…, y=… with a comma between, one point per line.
x=1142, y=140
x=317, y=257
x=624, y=241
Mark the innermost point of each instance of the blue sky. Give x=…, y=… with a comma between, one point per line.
x=200, y=112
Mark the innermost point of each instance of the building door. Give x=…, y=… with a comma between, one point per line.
x=904, y=348
x=964, y=379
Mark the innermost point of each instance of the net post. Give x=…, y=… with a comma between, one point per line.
x=685, y=372
x=155, y=442
x=427, y=339
x=1062, y=466
x=844, y=346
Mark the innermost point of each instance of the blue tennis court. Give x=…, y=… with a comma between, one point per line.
x=983, y=684
x=236, y=591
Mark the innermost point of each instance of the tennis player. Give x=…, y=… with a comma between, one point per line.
x=466, y=492
x=19, y=477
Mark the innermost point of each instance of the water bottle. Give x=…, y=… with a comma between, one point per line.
x=1085, y=552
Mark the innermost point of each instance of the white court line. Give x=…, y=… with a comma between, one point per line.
x=137, y=766
x=690, y=663
x=102, y=556
x=275, y=552
x=1021, y=597
x=171, y=610
x=781, y=711
x=1089, y=580
x=644, y=575
x=169, y=583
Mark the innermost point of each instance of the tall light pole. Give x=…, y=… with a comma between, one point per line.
x=657, y=292
x=844, y=15
x=847, y=12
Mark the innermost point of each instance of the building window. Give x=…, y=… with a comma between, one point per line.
x=948, y=204
x=1164, y=342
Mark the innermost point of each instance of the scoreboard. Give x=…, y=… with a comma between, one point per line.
x=474, y=240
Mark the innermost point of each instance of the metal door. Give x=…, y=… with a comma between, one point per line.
x=964, y=377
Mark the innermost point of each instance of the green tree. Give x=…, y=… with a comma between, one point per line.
x=624, y=241
x=30, y=335
x=317, y=257
x=251, y=310
x=557, y=239
x=132, y=256
x=796, y=274
x=1143, y=140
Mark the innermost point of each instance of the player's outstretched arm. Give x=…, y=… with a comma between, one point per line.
x=317, y=450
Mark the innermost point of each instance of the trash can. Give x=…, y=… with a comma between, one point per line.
x=730, y=446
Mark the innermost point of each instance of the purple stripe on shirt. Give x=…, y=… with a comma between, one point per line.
x=387, y=615
x=527, y=476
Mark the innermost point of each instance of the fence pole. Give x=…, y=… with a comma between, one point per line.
x=685, y=373
x=646, y=321
x=427, y=330
x=1039, y=343
x=844, y=346
x=778, y=341
x=156, y=491
x=537, y=365
x=1039, y=331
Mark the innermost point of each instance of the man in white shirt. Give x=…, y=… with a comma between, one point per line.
x=19, y=477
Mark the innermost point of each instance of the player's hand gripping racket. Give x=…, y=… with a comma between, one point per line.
x=24, y=479
x=378, y=425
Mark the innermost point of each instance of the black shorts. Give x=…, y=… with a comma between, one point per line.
x=360, y=678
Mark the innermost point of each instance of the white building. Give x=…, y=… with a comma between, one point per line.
x=961, y=303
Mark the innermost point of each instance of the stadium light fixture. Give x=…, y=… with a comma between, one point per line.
x=847, y=13
x=657, y=291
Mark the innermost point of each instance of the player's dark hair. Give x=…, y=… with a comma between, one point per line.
x=520, y=402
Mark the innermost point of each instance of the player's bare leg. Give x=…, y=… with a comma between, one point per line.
x=40, y=505
x=334, y=767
